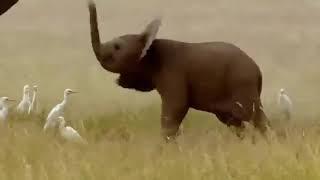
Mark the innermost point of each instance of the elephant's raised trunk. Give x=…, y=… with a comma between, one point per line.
x=95, y=37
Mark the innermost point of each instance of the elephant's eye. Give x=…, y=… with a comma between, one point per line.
x=116, y=47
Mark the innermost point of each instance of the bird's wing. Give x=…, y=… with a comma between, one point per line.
x=30, y=108
x=279, y=99
x=20, y=105
x=289, y=104
x=51, y=120
x=288, y=100
x=23, y=105
x=34, y=105
x=72, y=133
x=54, y=113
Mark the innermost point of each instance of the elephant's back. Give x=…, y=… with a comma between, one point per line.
x=215, y=70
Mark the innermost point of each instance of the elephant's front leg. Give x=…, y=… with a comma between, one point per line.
x=171, y=118
x=174, y=107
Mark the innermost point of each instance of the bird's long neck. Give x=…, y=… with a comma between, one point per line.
x=65, y=100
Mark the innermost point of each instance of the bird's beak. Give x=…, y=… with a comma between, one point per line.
x=12, y=100
x=74, y=92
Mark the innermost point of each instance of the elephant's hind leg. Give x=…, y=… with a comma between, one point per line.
x=231, y=114
x=260, y=120
x=230, y=121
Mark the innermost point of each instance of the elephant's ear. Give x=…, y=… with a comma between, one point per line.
x=149, y=34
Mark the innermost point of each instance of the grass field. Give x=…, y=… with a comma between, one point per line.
x=47, y=43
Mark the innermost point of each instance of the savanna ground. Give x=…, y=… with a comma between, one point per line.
x=47, y=43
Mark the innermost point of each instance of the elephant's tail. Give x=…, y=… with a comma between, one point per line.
x=95, y=36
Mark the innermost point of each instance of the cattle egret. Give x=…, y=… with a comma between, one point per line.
x=4, y=109
x=68, y=133
x=25, y=103
x=34, y=104
x=58, y=110
x=285, y=104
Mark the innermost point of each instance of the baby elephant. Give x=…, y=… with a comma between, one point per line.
x=215, y=77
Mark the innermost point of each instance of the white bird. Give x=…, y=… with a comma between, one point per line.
x=25, y=103
x=58, y=110
x=34, y=103
x=68, y=133
x=285, y=104
x=4, y=109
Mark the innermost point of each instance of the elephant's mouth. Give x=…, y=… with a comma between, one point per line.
x=104, y=65
x=134, y=81
x=107, y=66
x=124, y=82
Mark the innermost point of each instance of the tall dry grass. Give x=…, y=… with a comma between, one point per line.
x=47, y=43
x=128, y=146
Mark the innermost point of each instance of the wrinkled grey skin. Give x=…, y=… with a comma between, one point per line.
x=5, y=5
x=215, y=77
